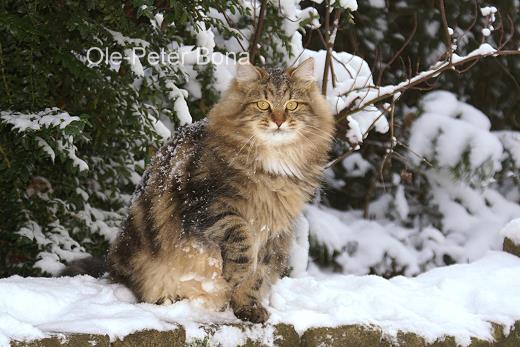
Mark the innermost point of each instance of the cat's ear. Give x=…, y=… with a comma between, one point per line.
x=304, y=71
x=246, y=72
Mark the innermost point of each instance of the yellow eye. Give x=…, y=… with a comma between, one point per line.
x=263, y=105
x=291, y=105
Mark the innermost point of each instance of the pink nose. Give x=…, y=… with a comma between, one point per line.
x=278, y=122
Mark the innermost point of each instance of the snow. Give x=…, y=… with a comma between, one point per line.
x=291, y=9
x=347, y=4
x=161, y=129
x=365, y=245
x=471, y=221
x=484, y=50
x=48, y=118
x=158, y=20
x=377, y=3
x=56, y=243
x=359, y=92
x=356, y=165
x=448, y=129
x=354, y=133
x=70, y=149
x=299, y=253
x=352, y=73
x=125, y=40
x=511, y=142
x=230, y=336
x=458, y=300
x=401, y=203
x=134, y=62
x=512, y=231
x=46, y=148
x=488, y=10
x=180, y=105
x=205, y=37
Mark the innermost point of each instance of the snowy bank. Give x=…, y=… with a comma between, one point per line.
x=512, y=231
x=459, y=300
x=511, y=234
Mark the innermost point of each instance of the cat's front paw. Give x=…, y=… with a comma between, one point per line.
x=255, y=313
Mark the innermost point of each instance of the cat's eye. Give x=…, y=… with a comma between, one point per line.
x=291, y=105
x=263, y=105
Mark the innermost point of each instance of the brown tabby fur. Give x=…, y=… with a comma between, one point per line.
x=212, y=219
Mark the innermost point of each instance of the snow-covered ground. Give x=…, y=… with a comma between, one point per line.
x=459, y=300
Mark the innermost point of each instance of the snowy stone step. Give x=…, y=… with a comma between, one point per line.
x=511, y=233
x=447, y=306
x=511, y=247
x=284, y=336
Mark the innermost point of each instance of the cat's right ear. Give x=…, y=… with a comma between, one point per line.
x=246, y=72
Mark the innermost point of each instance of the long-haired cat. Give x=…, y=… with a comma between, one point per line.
x=213, y=216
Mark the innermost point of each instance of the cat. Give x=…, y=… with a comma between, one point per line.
x=212, y=219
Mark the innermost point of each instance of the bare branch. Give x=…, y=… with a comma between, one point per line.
x=326, y=43
x=399, y=51
x=253, y=47
x=422, y=78
x=447, y=35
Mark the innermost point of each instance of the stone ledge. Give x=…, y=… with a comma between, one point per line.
x=153, y=338
x=284, y=335
x=510, y=247
x=79, y=340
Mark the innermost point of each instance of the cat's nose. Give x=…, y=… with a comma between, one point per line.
x=278, y=118
x=278, y=122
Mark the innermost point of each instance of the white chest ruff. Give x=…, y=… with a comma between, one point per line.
x=280, y=166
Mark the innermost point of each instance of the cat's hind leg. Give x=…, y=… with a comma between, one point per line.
x=191, y=269
x=202, y=278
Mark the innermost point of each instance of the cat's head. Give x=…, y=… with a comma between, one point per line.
x=274, y=107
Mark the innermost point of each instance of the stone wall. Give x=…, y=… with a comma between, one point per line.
x=283, y=336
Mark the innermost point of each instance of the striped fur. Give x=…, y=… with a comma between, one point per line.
x=212, y=218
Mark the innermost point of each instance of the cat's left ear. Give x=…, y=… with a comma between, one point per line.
x=304, y=71
x=246, y=72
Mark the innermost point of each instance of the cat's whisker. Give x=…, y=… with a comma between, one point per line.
x=319, y=135
x=305, y=137
x=251, y=147
x=315, y=127
x=327, y=135
x=240, y=150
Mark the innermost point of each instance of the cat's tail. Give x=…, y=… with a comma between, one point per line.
x=93, y=266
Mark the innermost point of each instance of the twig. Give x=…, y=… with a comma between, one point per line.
x=353, y=147
x=447, y=36
x=8, y=163
x=7, y=91
x=423, y=77
x=399, y=51
x=305, y=46
x=332, y=39
x=326, y=43
x=253, y=47
x=228, y=21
